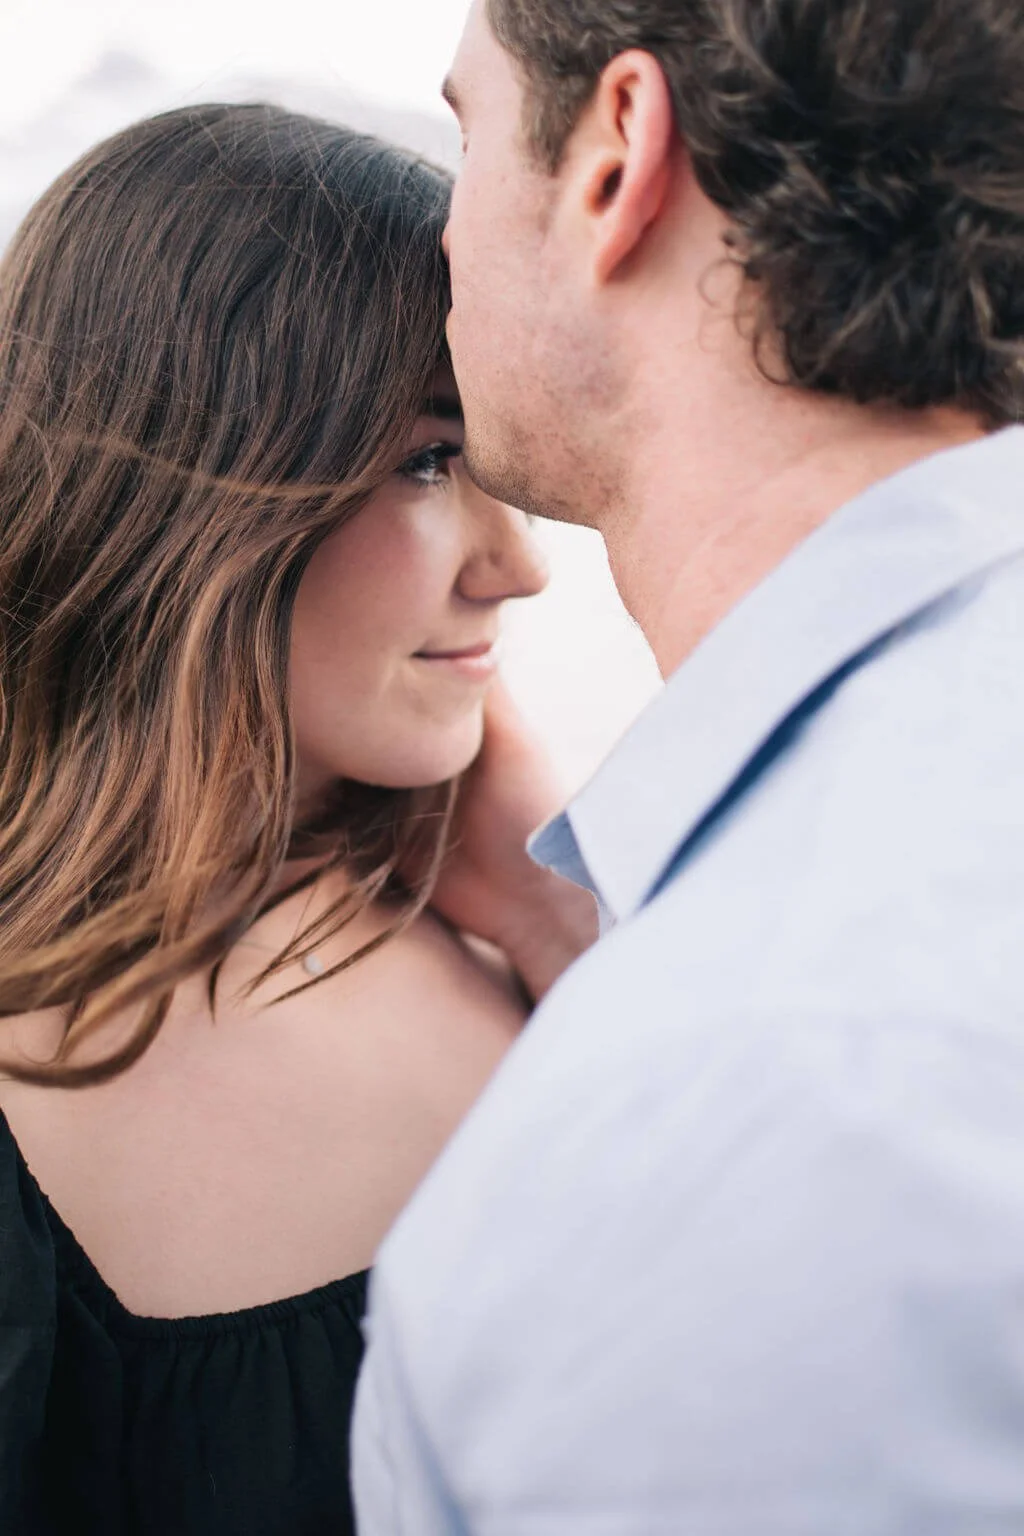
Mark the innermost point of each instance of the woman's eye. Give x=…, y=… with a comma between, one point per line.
x=429, y=464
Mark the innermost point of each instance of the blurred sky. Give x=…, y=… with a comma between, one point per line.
x=395, y=51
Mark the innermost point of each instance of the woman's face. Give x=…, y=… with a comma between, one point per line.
x=397, y=620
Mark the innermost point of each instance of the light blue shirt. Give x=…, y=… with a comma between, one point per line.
x=734, y=1243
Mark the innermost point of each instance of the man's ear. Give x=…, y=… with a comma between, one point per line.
x=624, y=157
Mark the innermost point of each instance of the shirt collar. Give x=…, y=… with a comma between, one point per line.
x=881, y=559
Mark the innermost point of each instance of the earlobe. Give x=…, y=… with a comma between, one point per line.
x=633, y=131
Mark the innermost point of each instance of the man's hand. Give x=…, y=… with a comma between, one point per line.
x=489, y=885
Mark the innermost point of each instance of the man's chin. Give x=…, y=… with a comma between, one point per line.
x=500, y=473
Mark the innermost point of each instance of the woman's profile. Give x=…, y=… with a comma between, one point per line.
x=249, y=606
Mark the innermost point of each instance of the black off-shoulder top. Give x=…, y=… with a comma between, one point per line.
x=118, y=1425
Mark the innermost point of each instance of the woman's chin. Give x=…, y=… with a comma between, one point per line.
x=426, y=769
x=426, y=760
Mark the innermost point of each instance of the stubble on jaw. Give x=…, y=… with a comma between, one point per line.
x=582, y=498
x=503, y=475
x=560, y=457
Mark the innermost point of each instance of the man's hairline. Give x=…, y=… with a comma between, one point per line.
x=453, y=97
x=534, y=153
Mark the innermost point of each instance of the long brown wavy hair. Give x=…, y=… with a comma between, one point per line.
x=216, y=332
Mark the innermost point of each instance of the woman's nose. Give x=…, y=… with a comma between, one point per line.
x=506, y=561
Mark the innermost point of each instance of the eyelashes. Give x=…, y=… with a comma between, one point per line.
x=429, y=464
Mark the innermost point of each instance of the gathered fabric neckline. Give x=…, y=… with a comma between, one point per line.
x=80, y=1271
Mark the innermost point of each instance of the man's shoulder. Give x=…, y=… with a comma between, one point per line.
x=719, y=1120
x=956, y=663
x=666, y=1187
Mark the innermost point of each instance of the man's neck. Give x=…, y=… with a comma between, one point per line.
x=704, y=520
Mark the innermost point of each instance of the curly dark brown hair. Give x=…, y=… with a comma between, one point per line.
x=870, y=157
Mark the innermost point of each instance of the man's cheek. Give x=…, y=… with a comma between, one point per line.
x=453, y=331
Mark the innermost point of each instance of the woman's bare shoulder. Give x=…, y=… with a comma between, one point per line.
x=460, y=970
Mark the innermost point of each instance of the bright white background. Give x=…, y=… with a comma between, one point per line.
x=395, y=51
x=72, y=71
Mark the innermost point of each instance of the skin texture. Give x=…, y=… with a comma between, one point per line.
x=272, y=1149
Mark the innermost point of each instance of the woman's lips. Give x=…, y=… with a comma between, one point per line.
x=475, y=663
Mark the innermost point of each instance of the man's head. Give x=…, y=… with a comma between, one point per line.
x=860, y=163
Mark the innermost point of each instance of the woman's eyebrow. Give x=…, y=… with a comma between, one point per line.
x=451, y=96
x=443, y=408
